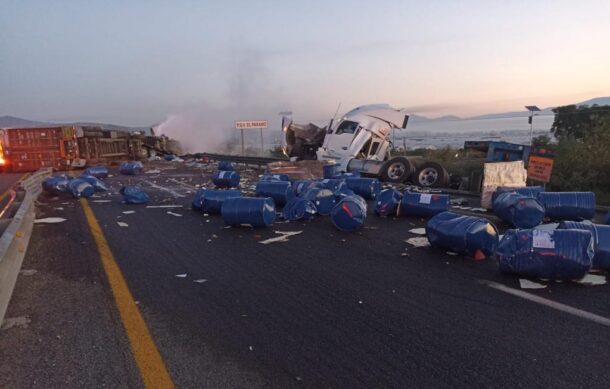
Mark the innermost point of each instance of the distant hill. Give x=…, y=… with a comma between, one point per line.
x=15, y=122
x=596, y=101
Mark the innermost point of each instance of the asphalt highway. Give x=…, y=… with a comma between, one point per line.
x=324, y=310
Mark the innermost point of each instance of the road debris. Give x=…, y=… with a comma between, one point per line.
x=527, y=284
x=28, y=272
x=102, y=201
x=122, y=224
x=50, y=220
x=592, y=279
x=420, y=241
x=181, y=275
x=128, y=212
x=174, y=214
x=418, y=231
x=200, y=281
x=10, y=322
x=164, y=206
x=284, y=235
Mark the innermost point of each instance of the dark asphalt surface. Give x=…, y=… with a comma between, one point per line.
x=326, y=309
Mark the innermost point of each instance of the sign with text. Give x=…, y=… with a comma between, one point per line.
x=246, y=124
x=539, y=168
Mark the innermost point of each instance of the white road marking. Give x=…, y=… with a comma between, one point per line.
x=168, y=190
x=549, y=303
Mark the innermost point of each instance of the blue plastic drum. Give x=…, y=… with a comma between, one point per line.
x=80, y=188
x=132, y=168
x=333, y=184
x=601, y=240
x=330, y=170
x=56, y=185
x=387, y=202
x=323, y=199
x=226, y=179
x=422, y=204
x=280, y=191
x=197, y=199
x=568, y=205
x=252, y=211
x=97, y=184
x=212, y=199
x=349, y=214
x=226, y=166
x=134, y=195
x=274, y=177
x=468, y=235
x=299, y=209
x=554, y=255
x=528, y=191
x=518, y=210
x=100, y=171
x=368, y=188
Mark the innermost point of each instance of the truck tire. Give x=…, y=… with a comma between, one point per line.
x=431, y=175
x=397, y=170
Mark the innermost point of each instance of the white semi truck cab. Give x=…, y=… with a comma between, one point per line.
x=360, y=141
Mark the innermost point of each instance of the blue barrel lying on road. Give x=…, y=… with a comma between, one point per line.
x=323, y=199
x=422, y=204
x=169, y=157
x=253, y=211
x=280, y=191
x=601, y=241
x=333, y=184
x=330, y=170
x=80, y=188
x=99, y=171
x=387, y=202
x=299, y=186
x=367, y=188
x=134, y=195
x=299, y=209
x=568, y=205
x=226, y=179
x=226, y=166
x=98, y=185
x=554, y=255
x=132, y=168
x=56, y=185
x=274, y=177
x=343, y=192
x=197, y=199
x=518, y=210
x=528, y=191
x=472, y=236
x=349, y=213
x=212, y=199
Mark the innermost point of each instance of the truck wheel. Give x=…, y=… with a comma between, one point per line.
x=431, y=175
x=396, y=170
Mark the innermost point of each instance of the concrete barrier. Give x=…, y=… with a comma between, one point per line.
x=16, y=237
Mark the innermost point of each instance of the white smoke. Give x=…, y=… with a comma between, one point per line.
x=251, y=95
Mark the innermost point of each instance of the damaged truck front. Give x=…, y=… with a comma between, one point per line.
x=360, y=141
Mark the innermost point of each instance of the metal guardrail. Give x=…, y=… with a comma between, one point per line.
x=15, y=239
x=244, y=159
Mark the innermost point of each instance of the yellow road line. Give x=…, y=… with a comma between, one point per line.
x=149, y=361
x=6, y=192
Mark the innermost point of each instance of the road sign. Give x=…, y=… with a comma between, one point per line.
x=246, y=124
x=539, y=168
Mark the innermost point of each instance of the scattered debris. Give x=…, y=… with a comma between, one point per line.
x=420, y=241
x=122, y=224
x=28, y=272
x=164, y=206
x=128, y=212
x=10, y=322
x=154, y=171
x=284, y=235
x=181, y=275
x=451, y=253
x=527, y=284
x=592, y=279
x=173, y=213
x=50, y=220
x=200, y=281
x=59, y=208
x=102, y=201
x=418, y=231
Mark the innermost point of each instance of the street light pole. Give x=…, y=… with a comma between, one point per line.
x=532, y=109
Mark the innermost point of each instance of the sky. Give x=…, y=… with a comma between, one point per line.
x=142, y=62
